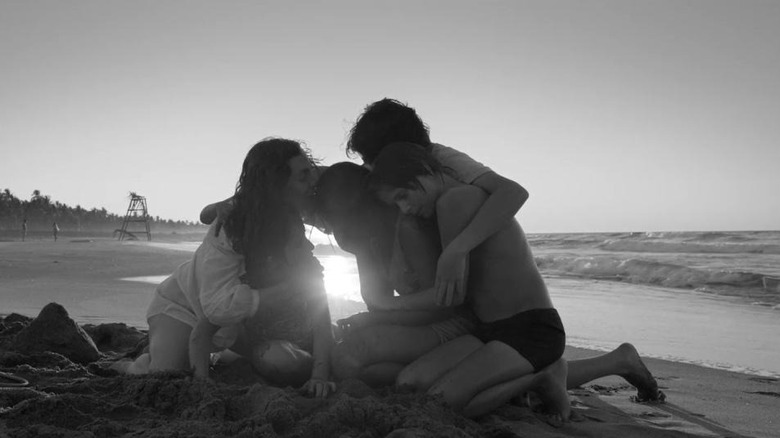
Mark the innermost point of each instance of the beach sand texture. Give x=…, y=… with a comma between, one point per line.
x=69, y=399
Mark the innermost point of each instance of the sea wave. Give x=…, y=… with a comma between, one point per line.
x=688, y=247
x=640, y=271
x=725, y=242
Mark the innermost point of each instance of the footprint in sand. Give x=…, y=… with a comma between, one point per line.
x=667, y=378
x=764, y=379
x=767, y=393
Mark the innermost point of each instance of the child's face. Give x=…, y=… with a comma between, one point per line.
x=301, y=182
x=419, y=201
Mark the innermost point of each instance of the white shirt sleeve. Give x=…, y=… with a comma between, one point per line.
x=225, y=300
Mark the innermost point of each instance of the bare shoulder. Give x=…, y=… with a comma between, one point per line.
x=460, y=199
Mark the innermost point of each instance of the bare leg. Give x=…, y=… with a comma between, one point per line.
x=492, y=364
x=625, y=362
x=169, y=341
x=381, y=344
x=425, y=371
x=168, y=348
x=548, y=384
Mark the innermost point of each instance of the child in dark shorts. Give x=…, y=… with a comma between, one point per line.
x=519, y=340
x=536, y=334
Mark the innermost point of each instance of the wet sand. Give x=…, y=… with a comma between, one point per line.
x=66, y=399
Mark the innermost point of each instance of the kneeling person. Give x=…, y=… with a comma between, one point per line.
x=520, y=339
x=392, y=256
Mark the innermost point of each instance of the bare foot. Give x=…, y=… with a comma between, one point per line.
x=130, y=366
x=550, y=385
x=637, y=374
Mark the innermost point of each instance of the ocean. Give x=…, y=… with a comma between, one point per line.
x=708, y=298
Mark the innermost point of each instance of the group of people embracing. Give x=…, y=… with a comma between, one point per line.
x=456, y=305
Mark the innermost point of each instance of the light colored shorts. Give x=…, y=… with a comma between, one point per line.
x=163, y=305
x=225, y=337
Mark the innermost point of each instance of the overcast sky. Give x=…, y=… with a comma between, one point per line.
x=615, y=115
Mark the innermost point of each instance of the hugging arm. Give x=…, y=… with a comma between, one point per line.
x=455, y=209
x=384, y=307
x=505, y=197
x=216, y=211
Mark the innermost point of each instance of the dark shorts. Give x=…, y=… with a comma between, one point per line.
x=536, y=334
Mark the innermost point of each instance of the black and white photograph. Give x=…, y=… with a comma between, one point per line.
x=406, y=219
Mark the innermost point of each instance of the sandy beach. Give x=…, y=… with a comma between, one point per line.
x=65, y=398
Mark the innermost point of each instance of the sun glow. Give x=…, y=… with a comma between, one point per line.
x=341, y=277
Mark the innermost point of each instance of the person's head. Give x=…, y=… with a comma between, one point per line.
x=347, y=207
x=276, y=179
x=408, y=176
x=383, y=122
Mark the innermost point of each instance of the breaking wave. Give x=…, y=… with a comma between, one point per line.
x=648, y=272
x=706, y=247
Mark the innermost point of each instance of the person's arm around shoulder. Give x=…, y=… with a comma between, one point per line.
x=505, y=197
x=216, y=211
x=456, y=209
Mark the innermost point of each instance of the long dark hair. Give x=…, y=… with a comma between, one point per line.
x=261, y=220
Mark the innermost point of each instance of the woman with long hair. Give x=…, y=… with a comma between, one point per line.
x=250, y=274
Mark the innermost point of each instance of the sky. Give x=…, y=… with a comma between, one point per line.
x=615, y=115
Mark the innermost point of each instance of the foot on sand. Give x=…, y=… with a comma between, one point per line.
x=139, y=365
x=550, y=385
x=637, y=374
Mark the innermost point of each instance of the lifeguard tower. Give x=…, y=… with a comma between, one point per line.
x=136, y=213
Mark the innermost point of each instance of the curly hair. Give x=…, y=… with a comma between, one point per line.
x=261, y=219
x=383, y=122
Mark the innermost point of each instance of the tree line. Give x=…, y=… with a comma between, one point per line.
x=40, y=212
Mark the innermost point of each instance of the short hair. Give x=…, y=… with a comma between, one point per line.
x=343, y=186
x=383, y=122
x=342, y=194
x=399, y=164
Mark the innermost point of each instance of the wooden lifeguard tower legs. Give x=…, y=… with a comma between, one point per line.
x=136, y=212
